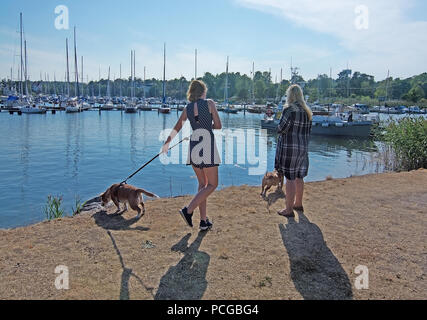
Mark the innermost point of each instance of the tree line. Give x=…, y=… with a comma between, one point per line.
x=243, y=89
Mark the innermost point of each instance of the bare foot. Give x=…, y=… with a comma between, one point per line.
x=284, y=213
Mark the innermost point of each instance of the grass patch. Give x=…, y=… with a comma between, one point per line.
x=78, y=206
x=405, y=144
x=53, y=209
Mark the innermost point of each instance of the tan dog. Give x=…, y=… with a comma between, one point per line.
x=128, y=195
x=271, y=179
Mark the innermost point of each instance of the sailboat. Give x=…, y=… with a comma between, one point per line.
x=26, y=106
x=228, y=108
x=109, y=104
x=164, y=108
x=73, y=105
x=131, y=107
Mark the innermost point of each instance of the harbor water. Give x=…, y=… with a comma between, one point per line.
x=80, y=155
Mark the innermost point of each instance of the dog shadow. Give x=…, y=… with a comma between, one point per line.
x=126, y=274
x=316, y=272
x=273, y=197
x=116, y=221
x=186, y=280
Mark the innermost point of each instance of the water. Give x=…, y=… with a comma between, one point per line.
x=80, y=155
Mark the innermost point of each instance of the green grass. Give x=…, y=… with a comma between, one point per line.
x=53, y=209
x=406, y=144
x=78, y=206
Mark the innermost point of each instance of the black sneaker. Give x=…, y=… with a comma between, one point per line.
x=209, y=224
x=188, y=217
x=203, y=226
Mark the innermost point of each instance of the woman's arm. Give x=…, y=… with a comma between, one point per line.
x=217, y=125
x=285, y=121
x=175, y=130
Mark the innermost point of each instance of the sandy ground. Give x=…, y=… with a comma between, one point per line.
x=252, y=253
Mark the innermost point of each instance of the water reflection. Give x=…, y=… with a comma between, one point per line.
x=133, y=149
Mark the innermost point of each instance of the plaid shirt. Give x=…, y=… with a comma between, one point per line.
x=292, y=145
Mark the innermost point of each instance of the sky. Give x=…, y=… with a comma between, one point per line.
x=371, y=36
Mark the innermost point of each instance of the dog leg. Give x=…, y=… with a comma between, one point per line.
x=117, y=205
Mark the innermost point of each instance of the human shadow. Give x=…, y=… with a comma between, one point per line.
x=116, y=221
x=186, y=280
x=316, y=272
x=126, y=274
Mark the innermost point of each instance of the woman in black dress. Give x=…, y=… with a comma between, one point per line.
x=292, y=148
x=203, y=153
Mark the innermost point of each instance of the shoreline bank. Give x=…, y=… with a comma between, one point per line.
x=377, y=221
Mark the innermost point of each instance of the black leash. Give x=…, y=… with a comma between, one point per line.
x=154, y=158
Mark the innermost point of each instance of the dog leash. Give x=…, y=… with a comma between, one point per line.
x=154, y=158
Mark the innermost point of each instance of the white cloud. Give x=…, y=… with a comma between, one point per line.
x=390, y=42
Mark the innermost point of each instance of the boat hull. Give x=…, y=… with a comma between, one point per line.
x=347, y=130
x=362, y=129
x=131, y=110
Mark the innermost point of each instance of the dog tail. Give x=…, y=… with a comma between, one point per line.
x=148, y=194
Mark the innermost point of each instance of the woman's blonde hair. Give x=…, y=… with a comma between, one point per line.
x=196, y=90
x=296, y=96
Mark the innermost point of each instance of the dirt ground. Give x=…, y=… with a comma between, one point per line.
x=378, y=221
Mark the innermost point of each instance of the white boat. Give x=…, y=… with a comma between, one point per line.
x=32, y=109
x=131, y=108
x=73, y=107
x=107, y=106
x=164, y=109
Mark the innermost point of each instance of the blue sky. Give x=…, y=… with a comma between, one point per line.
x=318, y=35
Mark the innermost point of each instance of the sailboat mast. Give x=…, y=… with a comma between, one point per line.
x=83, y=88
x=386, y=87
x=120, y=80
x=134, y=73
x=99, y=83
x=226, y=83
x=144, y=82
x=26, y=74
x=253, y=83
x=164, y=74
x=108, y=84
x=76, y=66
x=21, y=88
x=67, y=78
x=131, y=74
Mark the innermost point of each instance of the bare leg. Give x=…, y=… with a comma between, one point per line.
x=201, y=177
x=204, y=193
x=299, y=192
x=290, y=197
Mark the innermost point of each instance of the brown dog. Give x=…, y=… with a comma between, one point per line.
x=124, y=193
x=271, y=179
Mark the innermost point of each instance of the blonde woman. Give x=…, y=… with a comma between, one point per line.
x=203, y=153
x=292, y=148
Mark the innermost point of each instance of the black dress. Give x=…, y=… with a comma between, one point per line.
x=203, y=152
